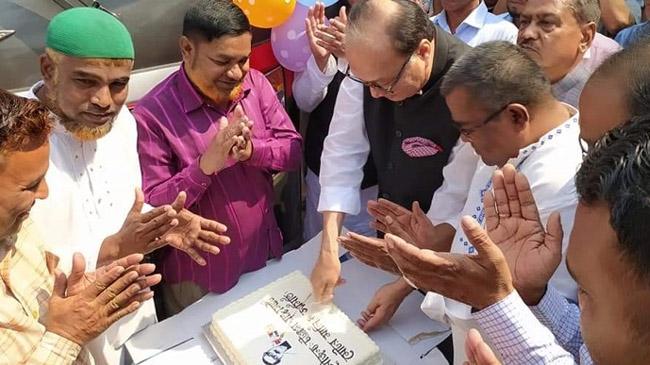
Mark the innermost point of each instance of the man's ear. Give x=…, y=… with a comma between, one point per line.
x=425, y=48
x=588, y=32
x=48, y=69
x=518, y=115
x=188, y=48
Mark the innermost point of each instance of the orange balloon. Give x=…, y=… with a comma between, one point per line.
x=267, y=13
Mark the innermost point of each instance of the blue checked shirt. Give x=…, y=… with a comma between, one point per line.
x=548, y=333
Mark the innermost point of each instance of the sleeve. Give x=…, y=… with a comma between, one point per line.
x=517, y=336
x=562, y=318
x=448, y=201
x=161, y=183
x=310, y=85
x=51, y=349
x=281, y=150
x=345, y=152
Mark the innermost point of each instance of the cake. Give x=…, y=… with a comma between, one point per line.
x=282, y=324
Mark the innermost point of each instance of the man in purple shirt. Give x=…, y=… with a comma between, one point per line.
x=195, y=135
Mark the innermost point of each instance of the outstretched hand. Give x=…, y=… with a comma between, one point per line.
x=513, y=223
x=194, y=233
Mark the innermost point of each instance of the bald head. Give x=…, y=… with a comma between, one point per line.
x=400, y=24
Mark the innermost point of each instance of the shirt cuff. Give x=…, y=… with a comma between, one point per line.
x=261, y=151
x=551, y=308
x=324, y=77
x=196, y=178
x=60, y=347
x=339, y=199
x=510, y=325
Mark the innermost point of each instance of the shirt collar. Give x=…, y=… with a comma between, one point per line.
x=190, y=97
x=547, y=138
x=579, y=74
x=475, y=19
x=440, y=56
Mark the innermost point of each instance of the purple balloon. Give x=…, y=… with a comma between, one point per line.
x=290, y=42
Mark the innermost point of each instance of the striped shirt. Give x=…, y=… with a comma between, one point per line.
x=25, y=289
x=175, y=127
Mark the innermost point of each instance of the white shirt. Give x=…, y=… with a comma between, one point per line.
x=550, y=166
x=346, y=150
x=91, y=190
x=480, y=26
x=310, y=86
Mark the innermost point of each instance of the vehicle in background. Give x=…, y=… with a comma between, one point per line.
x=155, y=26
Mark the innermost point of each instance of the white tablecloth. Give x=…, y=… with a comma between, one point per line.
x=179, y=339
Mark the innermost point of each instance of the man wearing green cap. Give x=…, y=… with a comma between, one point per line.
x=94, y=166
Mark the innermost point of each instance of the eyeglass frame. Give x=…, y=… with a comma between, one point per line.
x=468, y=131
x=373, y=85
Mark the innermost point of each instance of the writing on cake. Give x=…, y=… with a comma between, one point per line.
x=294, y=312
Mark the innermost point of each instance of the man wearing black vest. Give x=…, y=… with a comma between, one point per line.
x=389, y=107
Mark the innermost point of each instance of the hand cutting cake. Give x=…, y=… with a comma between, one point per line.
x=281, y=324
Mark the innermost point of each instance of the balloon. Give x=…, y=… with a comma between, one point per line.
x=309, y=3
x=266, y=13
x=290, y=42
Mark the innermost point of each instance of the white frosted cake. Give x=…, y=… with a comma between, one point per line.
x=281, y=324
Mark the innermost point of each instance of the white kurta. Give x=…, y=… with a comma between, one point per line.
x=92, y=188
x=550, y=166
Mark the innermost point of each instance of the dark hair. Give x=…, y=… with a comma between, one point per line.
x=631, y=68
x=210, y=19
x=408, y=26
x=24, y=124
x=617, y=172
x=496, y=74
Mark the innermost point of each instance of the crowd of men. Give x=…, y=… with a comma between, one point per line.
x=499, y=163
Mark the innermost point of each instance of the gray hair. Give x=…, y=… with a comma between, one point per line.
x=496, y=74
x=585, y=11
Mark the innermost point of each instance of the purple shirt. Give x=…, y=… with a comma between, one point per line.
x=175, y=126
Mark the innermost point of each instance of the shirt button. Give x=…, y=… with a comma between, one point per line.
x=398, y=134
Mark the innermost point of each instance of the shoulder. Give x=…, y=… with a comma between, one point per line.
x=162, y=94
x=497, y=24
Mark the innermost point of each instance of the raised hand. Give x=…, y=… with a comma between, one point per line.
x=114, y=293
x=79, y=279
x=413, y=226
x=477, y=280
x=513, y=223
x=316, y=18
x=140, y=232
x=194, y=233
x=370, y=251
x=332, y=37
x=243, y=148
x=216, y=156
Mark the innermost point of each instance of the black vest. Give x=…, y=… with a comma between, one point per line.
x=404, y=179
x=319, y=126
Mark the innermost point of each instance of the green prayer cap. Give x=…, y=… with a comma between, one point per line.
x=89, y=33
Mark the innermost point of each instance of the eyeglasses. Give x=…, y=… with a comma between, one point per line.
x=468, y=131
x=387, y=89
